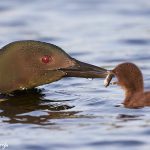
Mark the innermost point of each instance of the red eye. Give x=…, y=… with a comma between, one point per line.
x=46, y=59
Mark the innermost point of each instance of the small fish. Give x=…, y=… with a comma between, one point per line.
x=108, y=79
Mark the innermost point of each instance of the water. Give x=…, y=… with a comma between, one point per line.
x=73, y=113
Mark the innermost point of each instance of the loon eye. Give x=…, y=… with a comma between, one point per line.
x=46, y=59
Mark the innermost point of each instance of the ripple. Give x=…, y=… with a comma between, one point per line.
x=136, y=41
x=118, y=142
x=125, y=117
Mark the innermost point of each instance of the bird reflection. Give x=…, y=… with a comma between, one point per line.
x=20, y=107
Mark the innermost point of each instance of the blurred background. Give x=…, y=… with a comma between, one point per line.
x=78, y=114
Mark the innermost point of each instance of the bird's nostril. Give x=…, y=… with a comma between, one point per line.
x=46, y=59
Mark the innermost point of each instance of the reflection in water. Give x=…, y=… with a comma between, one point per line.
x=15, y=107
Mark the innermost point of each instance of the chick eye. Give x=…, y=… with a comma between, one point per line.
x=46, y=59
